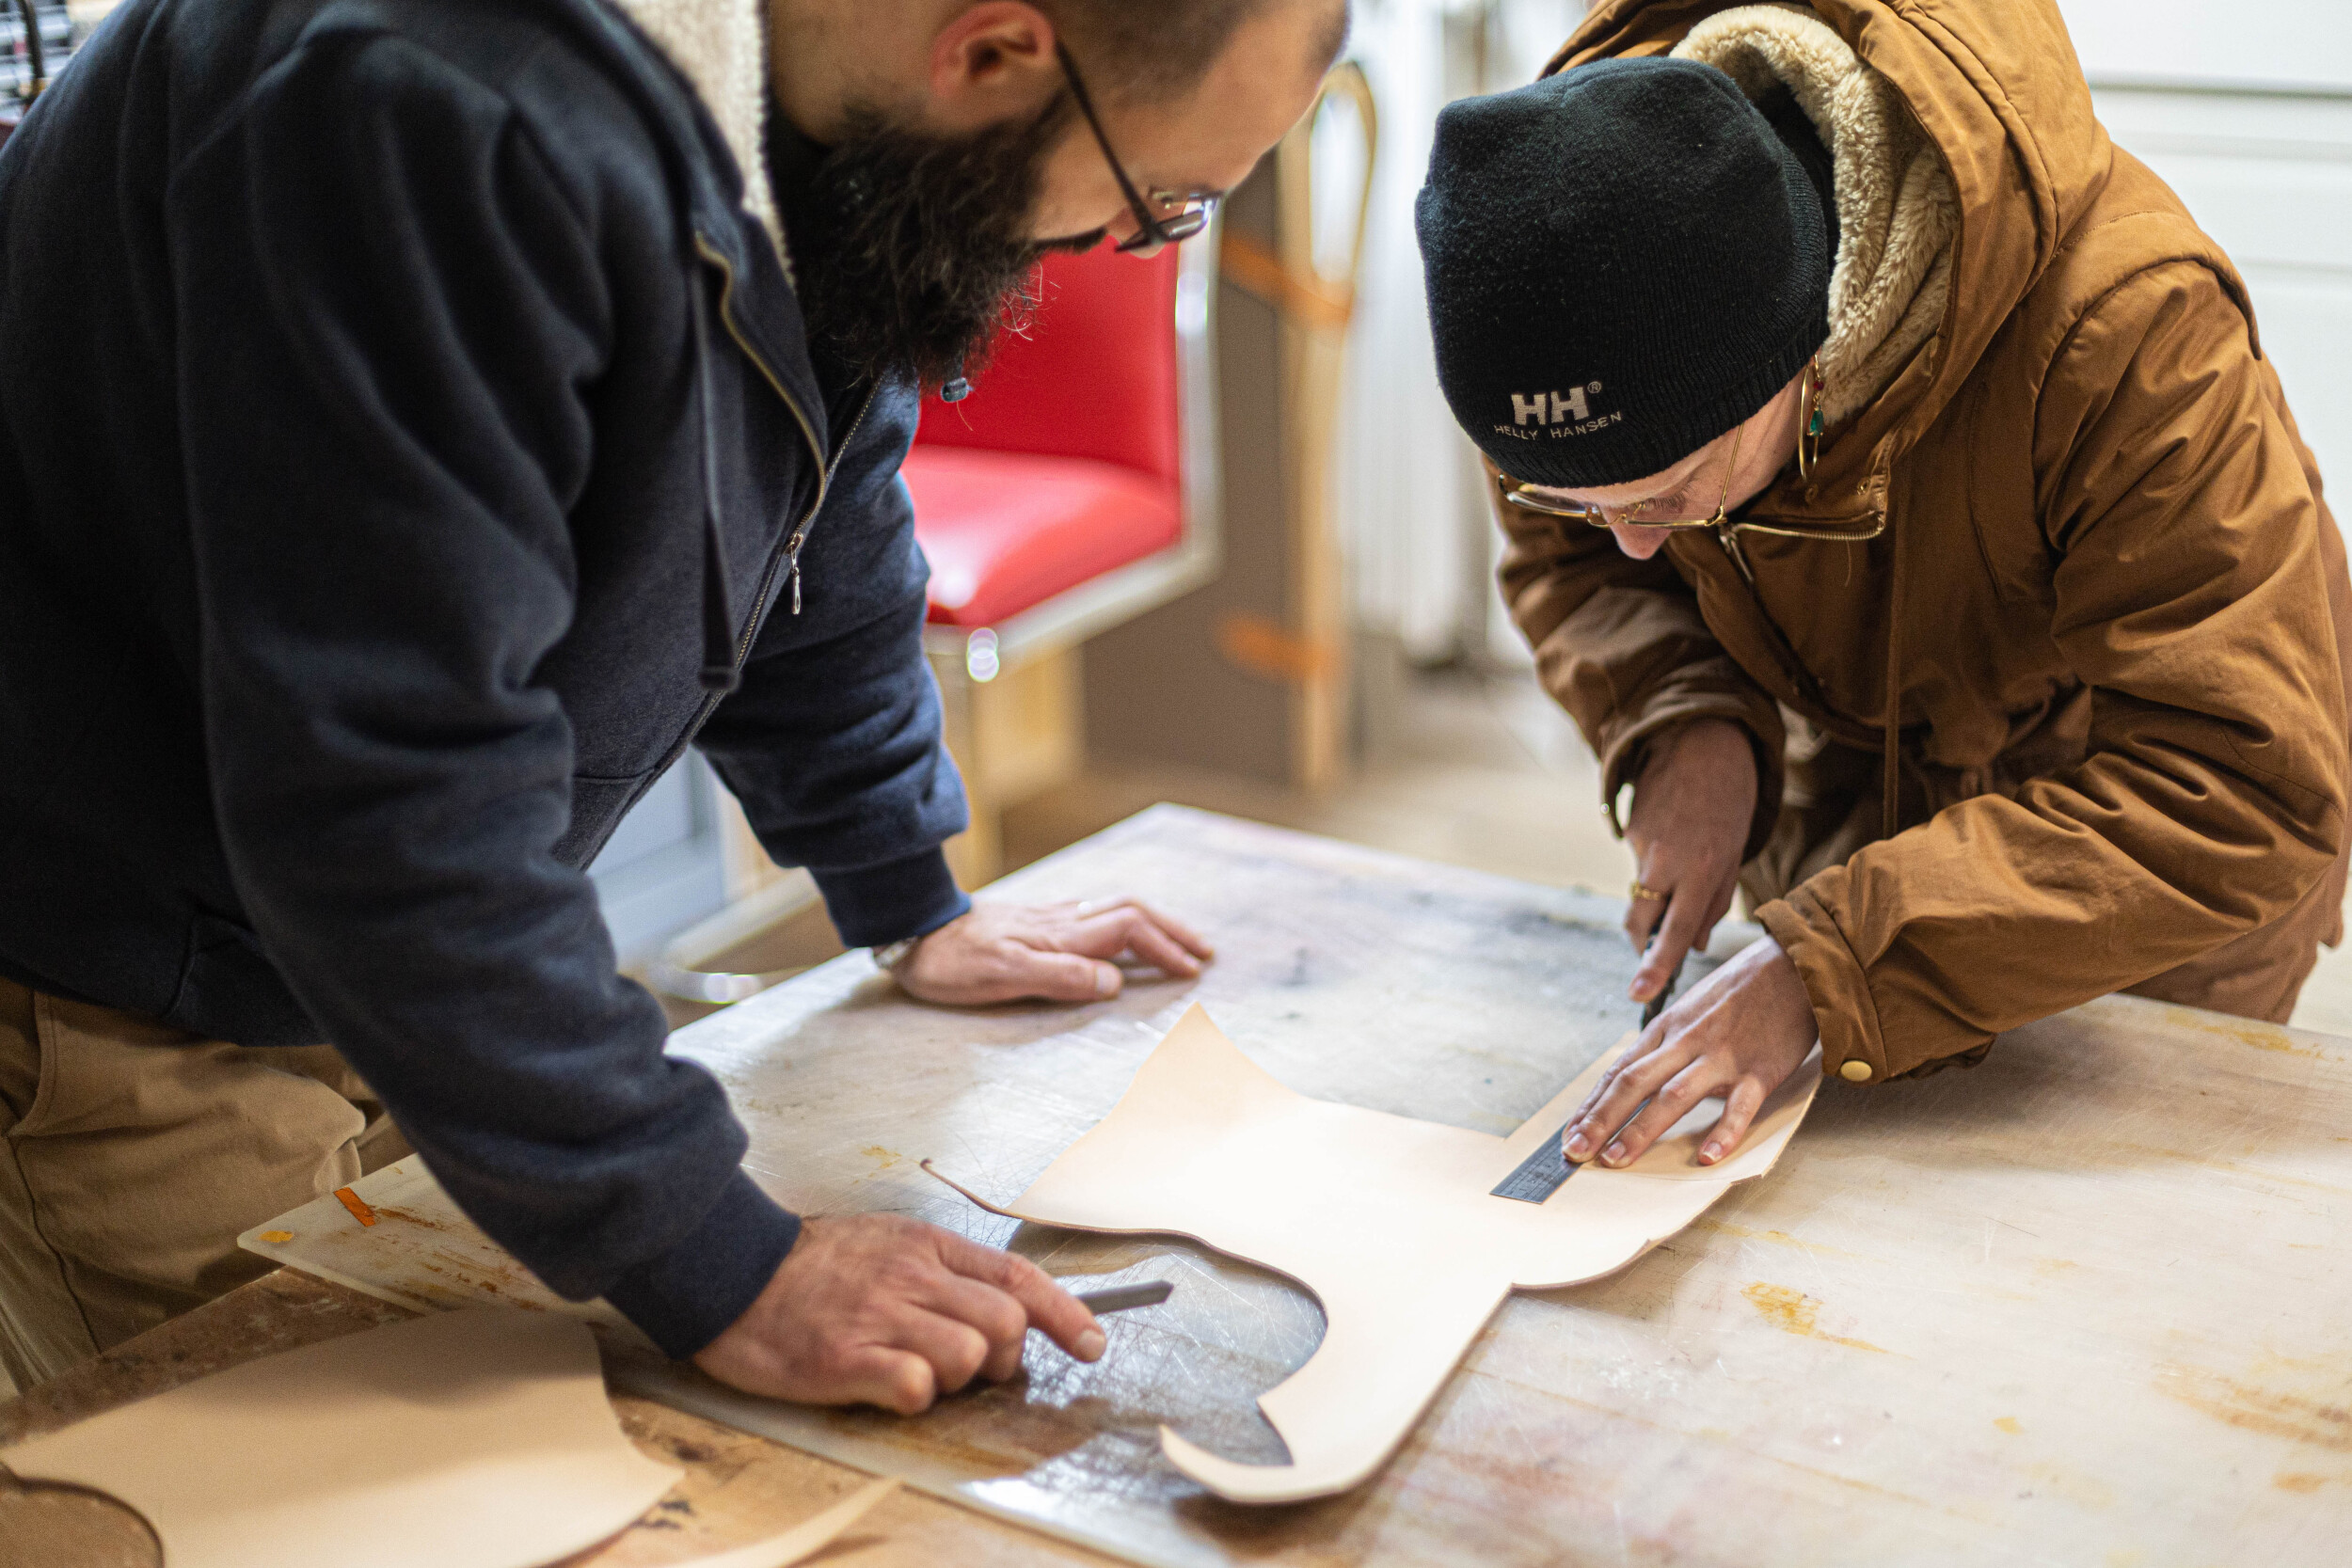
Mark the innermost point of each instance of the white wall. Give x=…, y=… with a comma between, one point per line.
x=2277, y=44
x=1393, y=490
x=1414, y=526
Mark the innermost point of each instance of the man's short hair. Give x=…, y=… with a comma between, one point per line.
x=1157, y=50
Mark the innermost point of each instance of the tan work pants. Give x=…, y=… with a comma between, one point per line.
x=132, y=1154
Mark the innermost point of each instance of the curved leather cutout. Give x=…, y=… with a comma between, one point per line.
x=1390, y=1222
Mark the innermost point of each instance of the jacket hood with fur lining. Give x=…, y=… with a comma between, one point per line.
x=1896, y=212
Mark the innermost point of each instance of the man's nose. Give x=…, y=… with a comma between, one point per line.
x=1637, y=541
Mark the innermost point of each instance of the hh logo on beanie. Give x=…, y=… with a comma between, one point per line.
x=1556, y=414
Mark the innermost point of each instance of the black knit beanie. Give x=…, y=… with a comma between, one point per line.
x=1624, y=261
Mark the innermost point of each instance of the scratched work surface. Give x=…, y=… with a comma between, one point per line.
x=2087, y=1303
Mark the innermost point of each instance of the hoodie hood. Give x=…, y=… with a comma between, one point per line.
x=721, y=48
x=1993, y=89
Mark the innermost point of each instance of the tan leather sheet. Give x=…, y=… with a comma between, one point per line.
x=467, y=1439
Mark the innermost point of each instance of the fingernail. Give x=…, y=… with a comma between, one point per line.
x=1106, y=981
x=1615, y=1155
x=1578, y=1146
x=1091, y=1344
x=1712, y=1153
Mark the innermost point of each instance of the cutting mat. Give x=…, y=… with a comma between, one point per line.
x=407, y=1241
x=2088, y=1304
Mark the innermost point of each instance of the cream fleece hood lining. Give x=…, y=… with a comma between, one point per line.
x=1896, y=212
x=721, y=47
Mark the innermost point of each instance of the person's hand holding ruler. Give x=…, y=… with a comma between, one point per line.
x=1744, y=1029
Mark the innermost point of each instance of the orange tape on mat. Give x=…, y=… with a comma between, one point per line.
x=357, y=1205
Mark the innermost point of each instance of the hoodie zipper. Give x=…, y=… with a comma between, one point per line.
x=789, y=556
x=800, y=535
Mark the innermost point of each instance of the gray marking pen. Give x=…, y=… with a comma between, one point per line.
x=1122, y=1298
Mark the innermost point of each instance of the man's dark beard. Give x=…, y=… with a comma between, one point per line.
x=912, y=250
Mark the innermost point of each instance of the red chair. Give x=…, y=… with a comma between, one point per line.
x=1079, y=456
x=1074, y=489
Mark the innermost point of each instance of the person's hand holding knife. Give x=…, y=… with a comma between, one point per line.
x=1744, y=1029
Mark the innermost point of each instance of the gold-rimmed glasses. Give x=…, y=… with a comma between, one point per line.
x=1529, y=498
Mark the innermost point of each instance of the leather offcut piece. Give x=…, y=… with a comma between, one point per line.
x=474, y=1439
x=1390, y=1222
x=804, y=1539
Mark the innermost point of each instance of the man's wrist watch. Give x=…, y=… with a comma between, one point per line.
x=888, y=957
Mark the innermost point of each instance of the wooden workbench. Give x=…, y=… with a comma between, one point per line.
x=2090, y=1303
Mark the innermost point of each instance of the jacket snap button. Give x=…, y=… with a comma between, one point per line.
x=1854, y=1072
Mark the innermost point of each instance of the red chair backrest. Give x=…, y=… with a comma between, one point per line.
x=1093, y=374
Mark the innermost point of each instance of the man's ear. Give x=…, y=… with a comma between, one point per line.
x=991, y=62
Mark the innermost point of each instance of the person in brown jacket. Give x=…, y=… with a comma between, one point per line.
x=1900, y=499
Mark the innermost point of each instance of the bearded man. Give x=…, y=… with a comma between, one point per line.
x=1901, y=501
x=424, y=418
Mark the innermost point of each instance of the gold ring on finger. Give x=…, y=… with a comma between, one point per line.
x=1643, y=890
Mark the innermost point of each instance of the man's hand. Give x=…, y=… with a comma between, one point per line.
x=1061, y=952
x=881, y=1310
x=1739, y=1033
x=1692, y=809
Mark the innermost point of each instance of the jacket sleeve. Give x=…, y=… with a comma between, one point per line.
x=832, y=742
x=389, y=325
x=2190, y=598
x=1620, y=643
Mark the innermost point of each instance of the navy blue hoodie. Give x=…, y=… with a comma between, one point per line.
x=408, y=444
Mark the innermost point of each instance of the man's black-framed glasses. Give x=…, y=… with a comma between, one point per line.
x=1163, y=218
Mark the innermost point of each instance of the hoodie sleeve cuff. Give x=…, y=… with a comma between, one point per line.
x=875, y=904
x=685, y=1297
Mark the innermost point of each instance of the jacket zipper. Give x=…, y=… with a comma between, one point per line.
x=1726, y=535
x=1800, y=683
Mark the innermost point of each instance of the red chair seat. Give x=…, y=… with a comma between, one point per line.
x=1006, y=531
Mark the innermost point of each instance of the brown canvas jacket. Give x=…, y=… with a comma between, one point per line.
x=2098, y=615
